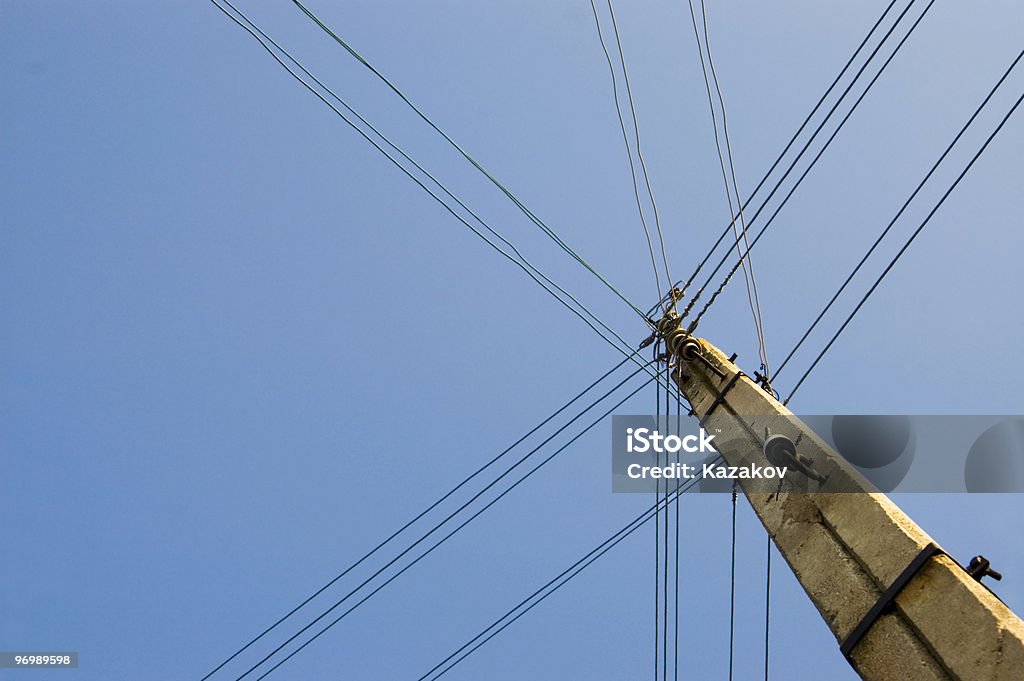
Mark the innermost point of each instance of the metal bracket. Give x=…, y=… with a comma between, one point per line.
x=885, y=601
x=765, y=384
x=981, y=567
x=721, y=395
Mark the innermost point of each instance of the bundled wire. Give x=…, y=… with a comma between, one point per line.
x=793, y=138
x=629, y=153
x=732, y=586
x=817, y=157
x=901, y=211
x=501, y=187
x=668, y=543
x=675, y=610
x=423, y=555
x=767, y=604
x=741, y=240
x=657, y=531
x=906, y=245
x=538, y=596
x=415, y=519
x=280, y=55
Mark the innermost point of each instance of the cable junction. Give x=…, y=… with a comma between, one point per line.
x=270, y=45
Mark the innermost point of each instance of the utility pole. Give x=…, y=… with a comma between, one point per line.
x=900, y=608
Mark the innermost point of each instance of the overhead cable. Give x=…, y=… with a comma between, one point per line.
x=504, y=190
x=900, y=212
x=550, y=587
x=785, y=200
x=629, y=154
x=785, y=150
x=639, y=148
x=767, y=604
x=746, y=263
x=910, y=240
x=538, y=278
x=476, y=514
x=465, y=481
x=732, y=586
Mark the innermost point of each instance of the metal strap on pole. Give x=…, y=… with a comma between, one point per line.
x=885, y=601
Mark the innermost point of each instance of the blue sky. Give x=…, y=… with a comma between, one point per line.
x=239, y=347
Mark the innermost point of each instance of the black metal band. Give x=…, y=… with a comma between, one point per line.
x=722, y=394
x=885, y=601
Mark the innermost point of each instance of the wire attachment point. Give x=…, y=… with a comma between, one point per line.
x=980, y=567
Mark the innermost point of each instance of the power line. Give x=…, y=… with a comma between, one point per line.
x=420, y=515
x=767, y=603
x=664, y=633
x=565, y=576
x=755, y=307
x=803, y=150
x=667, y=517
x=450, y=516
x=629, y=154
x=257, y=35
x=795, y=135
x=732, y=586
x=903, y=250
x=813, y=162
x=785, y=200
x=759, y=319
x=675, y=610
x=260, y=36
x=636, y=132
x=452, y=533
x=377, y=146
x=263, y=39
x=902, y=209
x=515, y=200
x=657, y=530
x=521, y=262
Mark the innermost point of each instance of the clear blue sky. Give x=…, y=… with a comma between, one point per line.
x=238, y=347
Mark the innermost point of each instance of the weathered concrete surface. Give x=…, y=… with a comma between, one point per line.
x=846, y=549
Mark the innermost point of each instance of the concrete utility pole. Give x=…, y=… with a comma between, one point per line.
x=900, y=608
